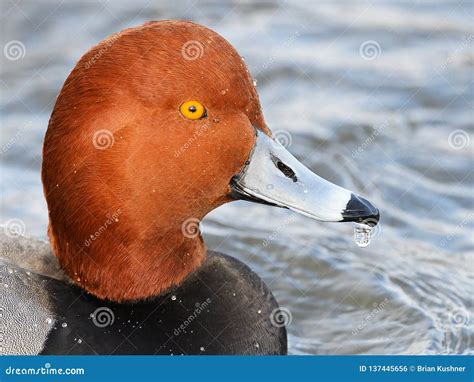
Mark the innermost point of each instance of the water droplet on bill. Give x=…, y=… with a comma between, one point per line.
x=362, y=235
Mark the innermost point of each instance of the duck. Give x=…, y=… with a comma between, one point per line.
x=155, y=127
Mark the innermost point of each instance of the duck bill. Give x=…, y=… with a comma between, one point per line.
x=273, y=176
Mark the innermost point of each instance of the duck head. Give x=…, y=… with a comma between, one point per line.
x=155, y=127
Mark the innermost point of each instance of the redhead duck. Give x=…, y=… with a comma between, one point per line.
x=155, y=127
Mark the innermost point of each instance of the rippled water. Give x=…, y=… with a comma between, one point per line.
x=375, y=97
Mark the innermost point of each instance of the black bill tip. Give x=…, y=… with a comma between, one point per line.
x=360, y=210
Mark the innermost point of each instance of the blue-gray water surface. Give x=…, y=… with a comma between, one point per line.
x=375, y=96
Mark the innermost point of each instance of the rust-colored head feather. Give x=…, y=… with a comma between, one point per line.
x=125, y=175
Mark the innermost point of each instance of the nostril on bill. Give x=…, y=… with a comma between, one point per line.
x=287, y=171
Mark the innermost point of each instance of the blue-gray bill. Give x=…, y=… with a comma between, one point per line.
x=273, y=176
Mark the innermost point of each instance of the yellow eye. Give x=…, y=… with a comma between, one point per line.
x=193, y=110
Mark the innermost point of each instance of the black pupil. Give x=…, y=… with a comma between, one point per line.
x=192, y=109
